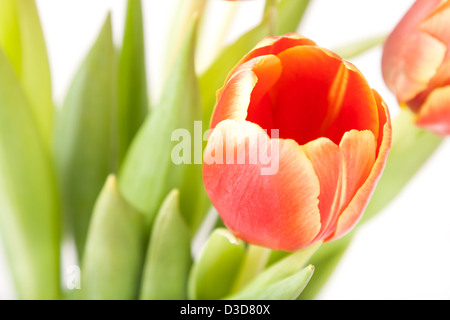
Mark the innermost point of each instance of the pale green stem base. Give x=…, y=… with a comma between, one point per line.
x=254, y=262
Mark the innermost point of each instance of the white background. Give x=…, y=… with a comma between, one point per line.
x=403, y=253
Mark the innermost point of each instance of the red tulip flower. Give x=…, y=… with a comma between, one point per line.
x=416, y=63
x=332, y=135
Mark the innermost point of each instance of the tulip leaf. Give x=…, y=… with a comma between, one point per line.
x=325, y=260
x=85, y=141
x=289, y=14
x=115, y=248
x=288, y=288
x=29, y=208
x=150, y=169
x=356, y=48
x=213, y=275
x=168, y=258
x=411, y=148
x=23, y=41
x=280, y=270
x=132, y=90
x=180, y=26
x=10, y=33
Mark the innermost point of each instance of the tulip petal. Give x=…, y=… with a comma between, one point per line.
x=325, y=157
x=276, y=45
x=319, y=95
x=351, y=146
x=358, y=156
x=358, y=109
x=249, y=83
x=435, y=112
x=278, y=210
x=234, y=98
x=300, y=97
x=412, y=57
x=341, y=170
x=383, y=118
x=436, y=24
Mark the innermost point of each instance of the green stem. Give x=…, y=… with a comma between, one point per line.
x=254, y=262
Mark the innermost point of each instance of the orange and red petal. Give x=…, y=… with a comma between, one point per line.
x=353, y=210
x=325, y=156
x=318, y=95
x=278, y=210
x=248, y=83
x=234, y=97
x=276, y=45
x=358, y=108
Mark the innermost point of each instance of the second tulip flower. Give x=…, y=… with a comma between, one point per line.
x=332, y=134
x=416, y=63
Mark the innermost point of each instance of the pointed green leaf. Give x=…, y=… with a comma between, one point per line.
x=10, y=33
x=168, y=258
x=22, y=38
x=284, y=268
x=289, y=15
x=35, y=72
x=149, y=171
x=214, y=273
x=288, y=288
x=29, y=210
x=180, y=28
x=115, y=248
x=325, y=260
x=356, y=48
x=133, y=99
x=85, y=140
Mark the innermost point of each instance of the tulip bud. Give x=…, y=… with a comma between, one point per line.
x=416, y=63
x=298, y=144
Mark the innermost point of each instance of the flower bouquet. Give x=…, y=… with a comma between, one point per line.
x=247, y=180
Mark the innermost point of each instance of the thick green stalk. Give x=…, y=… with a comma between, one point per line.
x=255, y=261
